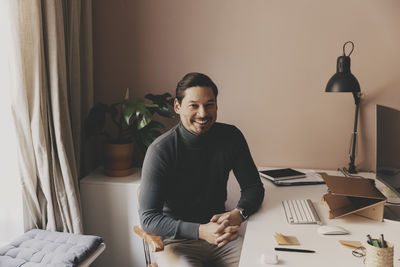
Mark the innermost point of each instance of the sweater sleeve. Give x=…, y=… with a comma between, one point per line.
x=152, y=198
x=252, y=189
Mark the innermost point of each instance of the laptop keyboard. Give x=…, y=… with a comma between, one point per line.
x=300, y=212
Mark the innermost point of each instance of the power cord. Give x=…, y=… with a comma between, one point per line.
x=346, y=173
x=393, y=203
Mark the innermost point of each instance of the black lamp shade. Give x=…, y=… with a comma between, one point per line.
x=343, y=80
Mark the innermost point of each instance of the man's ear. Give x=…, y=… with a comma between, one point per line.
x=177, y=106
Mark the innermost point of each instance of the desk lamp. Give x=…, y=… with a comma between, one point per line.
x=344, y=81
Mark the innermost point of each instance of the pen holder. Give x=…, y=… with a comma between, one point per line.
x=379, y=257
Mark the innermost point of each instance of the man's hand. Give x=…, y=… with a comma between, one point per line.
x=218, y=234
x=233, y=217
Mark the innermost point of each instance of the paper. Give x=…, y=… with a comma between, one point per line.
x=286, y=240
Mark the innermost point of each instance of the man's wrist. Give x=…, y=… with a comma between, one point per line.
x=243, y=213
x=200, y=232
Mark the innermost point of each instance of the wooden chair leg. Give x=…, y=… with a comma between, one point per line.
x=146, y=253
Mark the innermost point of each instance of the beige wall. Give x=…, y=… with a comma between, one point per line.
x=271, y=61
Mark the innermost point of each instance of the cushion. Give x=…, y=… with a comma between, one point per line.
x=44, y=248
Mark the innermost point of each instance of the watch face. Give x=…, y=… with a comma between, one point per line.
x=244, y=214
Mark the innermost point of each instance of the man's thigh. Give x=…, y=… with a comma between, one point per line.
x=199, y=253
x=229, y=255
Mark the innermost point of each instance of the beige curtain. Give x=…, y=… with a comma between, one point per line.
x=52, y=92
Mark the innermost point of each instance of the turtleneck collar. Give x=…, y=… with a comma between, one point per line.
x=191, y=139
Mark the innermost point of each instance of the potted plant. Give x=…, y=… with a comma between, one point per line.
x=133, y=125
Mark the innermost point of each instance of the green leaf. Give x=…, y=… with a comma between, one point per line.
x=144, y=118
x=165, y=112
x=158, y=98
x=151, y=105
x=153, y=125
x=128, y=109
x=143, y=115
x=163, y=101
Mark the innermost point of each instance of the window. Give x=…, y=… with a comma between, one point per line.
x=11, y=215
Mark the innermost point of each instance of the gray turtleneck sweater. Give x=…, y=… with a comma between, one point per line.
x=184, y=179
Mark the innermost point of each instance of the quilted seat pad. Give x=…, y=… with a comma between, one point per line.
x=44, y=248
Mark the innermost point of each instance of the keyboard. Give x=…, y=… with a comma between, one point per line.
x=300, y=212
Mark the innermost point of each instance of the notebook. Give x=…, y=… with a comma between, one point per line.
x=282, y=174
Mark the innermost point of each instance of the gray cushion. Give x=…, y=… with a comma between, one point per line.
x=44, y=248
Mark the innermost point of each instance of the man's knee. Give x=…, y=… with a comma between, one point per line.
x=168, y=258
x=197, y=253
x=180, y=254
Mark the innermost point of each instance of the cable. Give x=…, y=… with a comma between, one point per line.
x=393, y=203
x=342, y=171
x=346, y=173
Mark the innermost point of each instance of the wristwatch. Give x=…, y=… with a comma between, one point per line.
x=244, y=214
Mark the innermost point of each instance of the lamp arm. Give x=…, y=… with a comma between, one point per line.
x=357, y=97
x=352, y=167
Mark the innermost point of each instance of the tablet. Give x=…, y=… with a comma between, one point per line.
x=282, y=174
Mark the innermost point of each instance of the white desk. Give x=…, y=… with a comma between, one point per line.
x=270, y=219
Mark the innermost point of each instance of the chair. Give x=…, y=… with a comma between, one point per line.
x=149, y=241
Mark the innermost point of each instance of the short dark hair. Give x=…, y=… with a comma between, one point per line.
x=193, y=79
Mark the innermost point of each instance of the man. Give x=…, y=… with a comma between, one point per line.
x=184, y=182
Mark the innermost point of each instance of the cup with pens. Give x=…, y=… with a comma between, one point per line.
x=379, y=252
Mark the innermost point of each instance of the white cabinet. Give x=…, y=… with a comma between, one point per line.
x=109, y=207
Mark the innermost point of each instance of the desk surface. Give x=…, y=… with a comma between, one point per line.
x=270, y=219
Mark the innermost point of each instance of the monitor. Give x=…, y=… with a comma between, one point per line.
x=388, y=148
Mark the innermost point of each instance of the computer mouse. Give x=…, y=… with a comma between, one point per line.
x=269, y=258
x=332, y=230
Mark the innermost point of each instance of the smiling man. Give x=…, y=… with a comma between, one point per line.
x=184, y=182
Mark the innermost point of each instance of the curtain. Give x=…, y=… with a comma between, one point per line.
x=52, y=92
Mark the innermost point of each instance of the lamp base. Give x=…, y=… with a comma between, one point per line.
x=352, y=169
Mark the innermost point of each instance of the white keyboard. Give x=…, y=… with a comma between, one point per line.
x=300, y=212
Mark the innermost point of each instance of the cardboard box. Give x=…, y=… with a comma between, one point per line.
x=349, y=195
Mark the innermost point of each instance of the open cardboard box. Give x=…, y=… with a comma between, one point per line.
x=353, y=195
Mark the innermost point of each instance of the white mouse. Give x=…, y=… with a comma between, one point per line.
x=332, y=230
x=269, y=258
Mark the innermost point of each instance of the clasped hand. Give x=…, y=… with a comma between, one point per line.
x=222, y=228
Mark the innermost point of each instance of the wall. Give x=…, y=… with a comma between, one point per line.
x=271, y=61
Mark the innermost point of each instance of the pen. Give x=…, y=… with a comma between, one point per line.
x=369, y=239
x=383, y=242
x=295, y=250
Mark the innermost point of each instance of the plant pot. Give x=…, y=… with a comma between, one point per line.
x=118, y=159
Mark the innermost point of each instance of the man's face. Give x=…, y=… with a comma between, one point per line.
x=198, y=110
